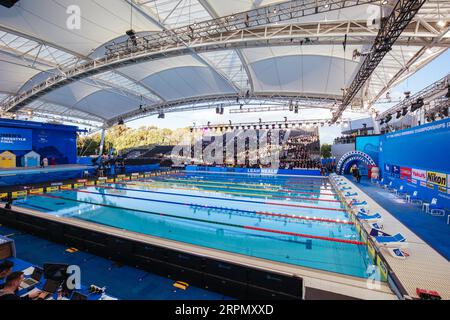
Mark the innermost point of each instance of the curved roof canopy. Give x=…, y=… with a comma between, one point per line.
x=307, y=57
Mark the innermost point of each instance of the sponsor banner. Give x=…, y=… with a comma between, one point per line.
x=442, y=189
x=420, y=175
x=406, y=172
x=414, y=181
x=430, y=186
x=437, y=178
x=423, y=184
x=396, y=170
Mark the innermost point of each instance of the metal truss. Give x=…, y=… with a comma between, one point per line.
x=282, y=107
x=433, y=92
x=181, y=41
x=27, y=114
x=290, y=35
x=391, y=29
x=272, y=14
x=270, y=124
x=225, y=100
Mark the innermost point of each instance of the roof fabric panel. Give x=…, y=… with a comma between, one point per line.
x=101, y=21
x=185, y=82
x=14, y=73
x=318, y=70
x=107, y=104
x=71, y=94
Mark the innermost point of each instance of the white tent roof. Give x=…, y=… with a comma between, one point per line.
x=35, y=44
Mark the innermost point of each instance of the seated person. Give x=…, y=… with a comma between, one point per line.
x=12, y=285
x=5, y=270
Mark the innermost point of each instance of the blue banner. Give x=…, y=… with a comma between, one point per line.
x=13, y=139
x=297, y=172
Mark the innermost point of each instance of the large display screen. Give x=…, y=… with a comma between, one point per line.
x=13, y=139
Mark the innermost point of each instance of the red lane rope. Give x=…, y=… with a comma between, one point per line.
x=243, y=195
x=303, y=217
x=297, y=192
x=359, y=243
x=354, y=242
x=302, y=206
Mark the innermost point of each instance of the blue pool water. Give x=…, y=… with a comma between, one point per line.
x=267, y=217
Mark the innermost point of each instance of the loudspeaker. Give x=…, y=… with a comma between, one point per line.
x=8, y=3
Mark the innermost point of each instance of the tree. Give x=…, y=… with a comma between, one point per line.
x=325, y=151
x=121, y=137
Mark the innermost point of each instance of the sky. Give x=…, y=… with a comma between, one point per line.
x=434, y=71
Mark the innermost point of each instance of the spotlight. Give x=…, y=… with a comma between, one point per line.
x=399, y=114
x=132, y=35
x=417, y=105
x=388, y=118
x=381, y=122
x=441, y=23
x=448, y=91
x=444, y=112
x=407, y=94
x=121, y=122
x=405, y=111
x=161, y=115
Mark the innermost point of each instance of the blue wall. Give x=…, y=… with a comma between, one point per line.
x=414, y=157
x=49, y=140
x=300, y=172
x=369, y=145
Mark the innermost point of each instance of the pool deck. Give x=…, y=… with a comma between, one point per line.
x=328, y=281
x=34, y=170
x=425, y=268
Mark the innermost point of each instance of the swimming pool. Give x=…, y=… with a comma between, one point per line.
x=294, y=220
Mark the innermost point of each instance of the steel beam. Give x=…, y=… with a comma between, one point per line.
x=391, y=29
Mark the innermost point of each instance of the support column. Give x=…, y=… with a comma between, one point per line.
x=102, y=142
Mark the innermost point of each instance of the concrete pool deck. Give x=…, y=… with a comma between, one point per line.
x=425, y=268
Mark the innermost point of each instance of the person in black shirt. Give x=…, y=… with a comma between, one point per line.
x=5, y=270
x=12, y=285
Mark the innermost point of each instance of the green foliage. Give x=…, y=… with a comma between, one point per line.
x=325, y=151
x=122, y=137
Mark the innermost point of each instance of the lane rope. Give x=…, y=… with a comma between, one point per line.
x=300, y=235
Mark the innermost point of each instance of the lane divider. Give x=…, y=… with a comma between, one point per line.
x=300, y=235
x=250, y=184
x=150, y=183
x=280, y=215
x=272, y=188
x=359, y=243
x=215, y=198
x=238, y=188
x=211, y=207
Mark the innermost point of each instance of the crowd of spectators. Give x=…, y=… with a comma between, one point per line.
x=345, y=140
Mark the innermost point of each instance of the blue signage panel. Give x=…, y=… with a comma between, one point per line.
x=299, y=172
x=13, y=139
